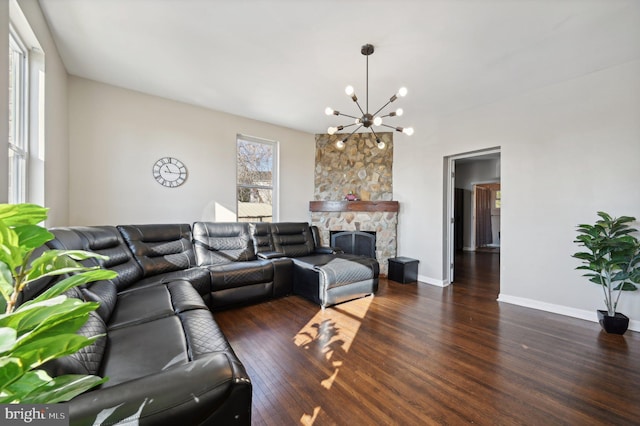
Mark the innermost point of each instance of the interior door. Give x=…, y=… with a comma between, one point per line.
x=484, y=235
x=458, y=218
x=452, y=220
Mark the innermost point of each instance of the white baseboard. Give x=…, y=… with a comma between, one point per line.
x=433, y=281
x=468, y=249
x=558, y=309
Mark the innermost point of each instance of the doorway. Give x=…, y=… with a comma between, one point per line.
x=471, y=178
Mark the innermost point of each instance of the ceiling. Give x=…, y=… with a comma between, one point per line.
x=284, y=61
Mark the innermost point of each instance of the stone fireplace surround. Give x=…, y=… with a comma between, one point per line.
x=366, y=171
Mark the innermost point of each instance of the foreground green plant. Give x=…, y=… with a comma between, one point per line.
x=613, y=256
x=44, y=328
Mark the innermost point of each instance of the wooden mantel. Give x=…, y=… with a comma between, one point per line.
x=353, y=206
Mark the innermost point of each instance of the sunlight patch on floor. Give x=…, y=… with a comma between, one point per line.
x=330, y=334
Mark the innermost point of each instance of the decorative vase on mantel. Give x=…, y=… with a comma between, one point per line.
x=351, y=196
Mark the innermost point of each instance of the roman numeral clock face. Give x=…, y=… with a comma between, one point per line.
x=170, y=172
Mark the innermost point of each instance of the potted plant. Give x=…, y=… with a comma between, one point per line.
x=44, y=328
x=613, y=261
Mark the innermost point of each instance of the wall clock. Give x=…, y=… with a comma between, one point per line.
x=169, y=172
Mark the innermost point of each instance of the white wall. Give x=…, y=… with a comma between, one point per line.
x=116, y=135
x=568, y=150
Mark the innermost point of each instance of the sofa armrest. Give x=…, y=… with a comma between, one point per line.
x=203, y=391
x=328, y=250
x=270, y=255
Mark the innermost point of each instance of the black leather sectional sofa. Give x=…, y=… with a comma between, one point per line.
x=166, y=358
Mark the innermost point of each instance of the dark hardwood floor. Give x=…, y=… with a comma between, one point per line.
x=418, y=354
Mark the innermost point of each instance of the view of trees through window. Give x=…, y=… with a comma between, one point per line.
x=255, y=179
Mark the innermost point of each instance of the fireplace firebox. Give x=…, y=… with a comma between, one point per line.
x=362, y=243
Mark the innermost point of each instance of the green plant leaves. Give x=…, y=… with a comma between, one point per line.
x=22, y=214
x=71, y=282
x=612, y=256
x=37, y=387
x=59, y=262
x=61, y=388
x=32, y=236
x=8, y=337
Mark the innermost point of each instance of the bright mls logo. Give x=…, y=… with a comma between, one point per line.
x=35, y=414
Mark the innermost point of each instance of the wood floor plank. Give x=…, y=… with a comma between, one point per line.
x=419, y=354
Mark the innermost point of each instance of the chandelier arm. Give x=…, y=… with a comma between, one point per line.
x=350, y=116
x=359, y=107
x=351, y=134
x=391, y=127
x=374, y=133
x=381, y=108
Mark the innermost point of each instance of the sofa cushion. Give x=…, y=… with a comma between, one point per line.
x=143, y=349
x=198, y=277
x=240, y=274
x=86, y=360
x=339, y=270
x=153, y=302
x=222, y=243
x=160, y=248
x=207, y=391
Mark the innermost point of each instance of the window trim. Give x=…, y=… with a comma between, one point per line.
x=19, y=146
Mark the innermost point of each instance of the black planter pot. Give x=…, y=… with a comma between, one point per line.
x=617, y=324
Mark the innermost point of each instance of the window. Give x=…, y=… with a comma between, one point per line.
x=18, y=119
x=256, y=179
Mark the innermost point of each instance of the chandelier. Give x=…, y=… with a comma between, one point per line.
x=368, y=120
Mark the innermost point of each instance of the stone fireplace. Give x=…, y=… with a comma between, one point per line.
x=366, y=172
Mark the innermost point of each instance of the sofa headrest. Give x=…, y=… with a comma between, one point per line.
x=293, y=239
x=104, y=240
x=160, y=248
x=261, y=235
x=219, y=243
x=69, y=239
